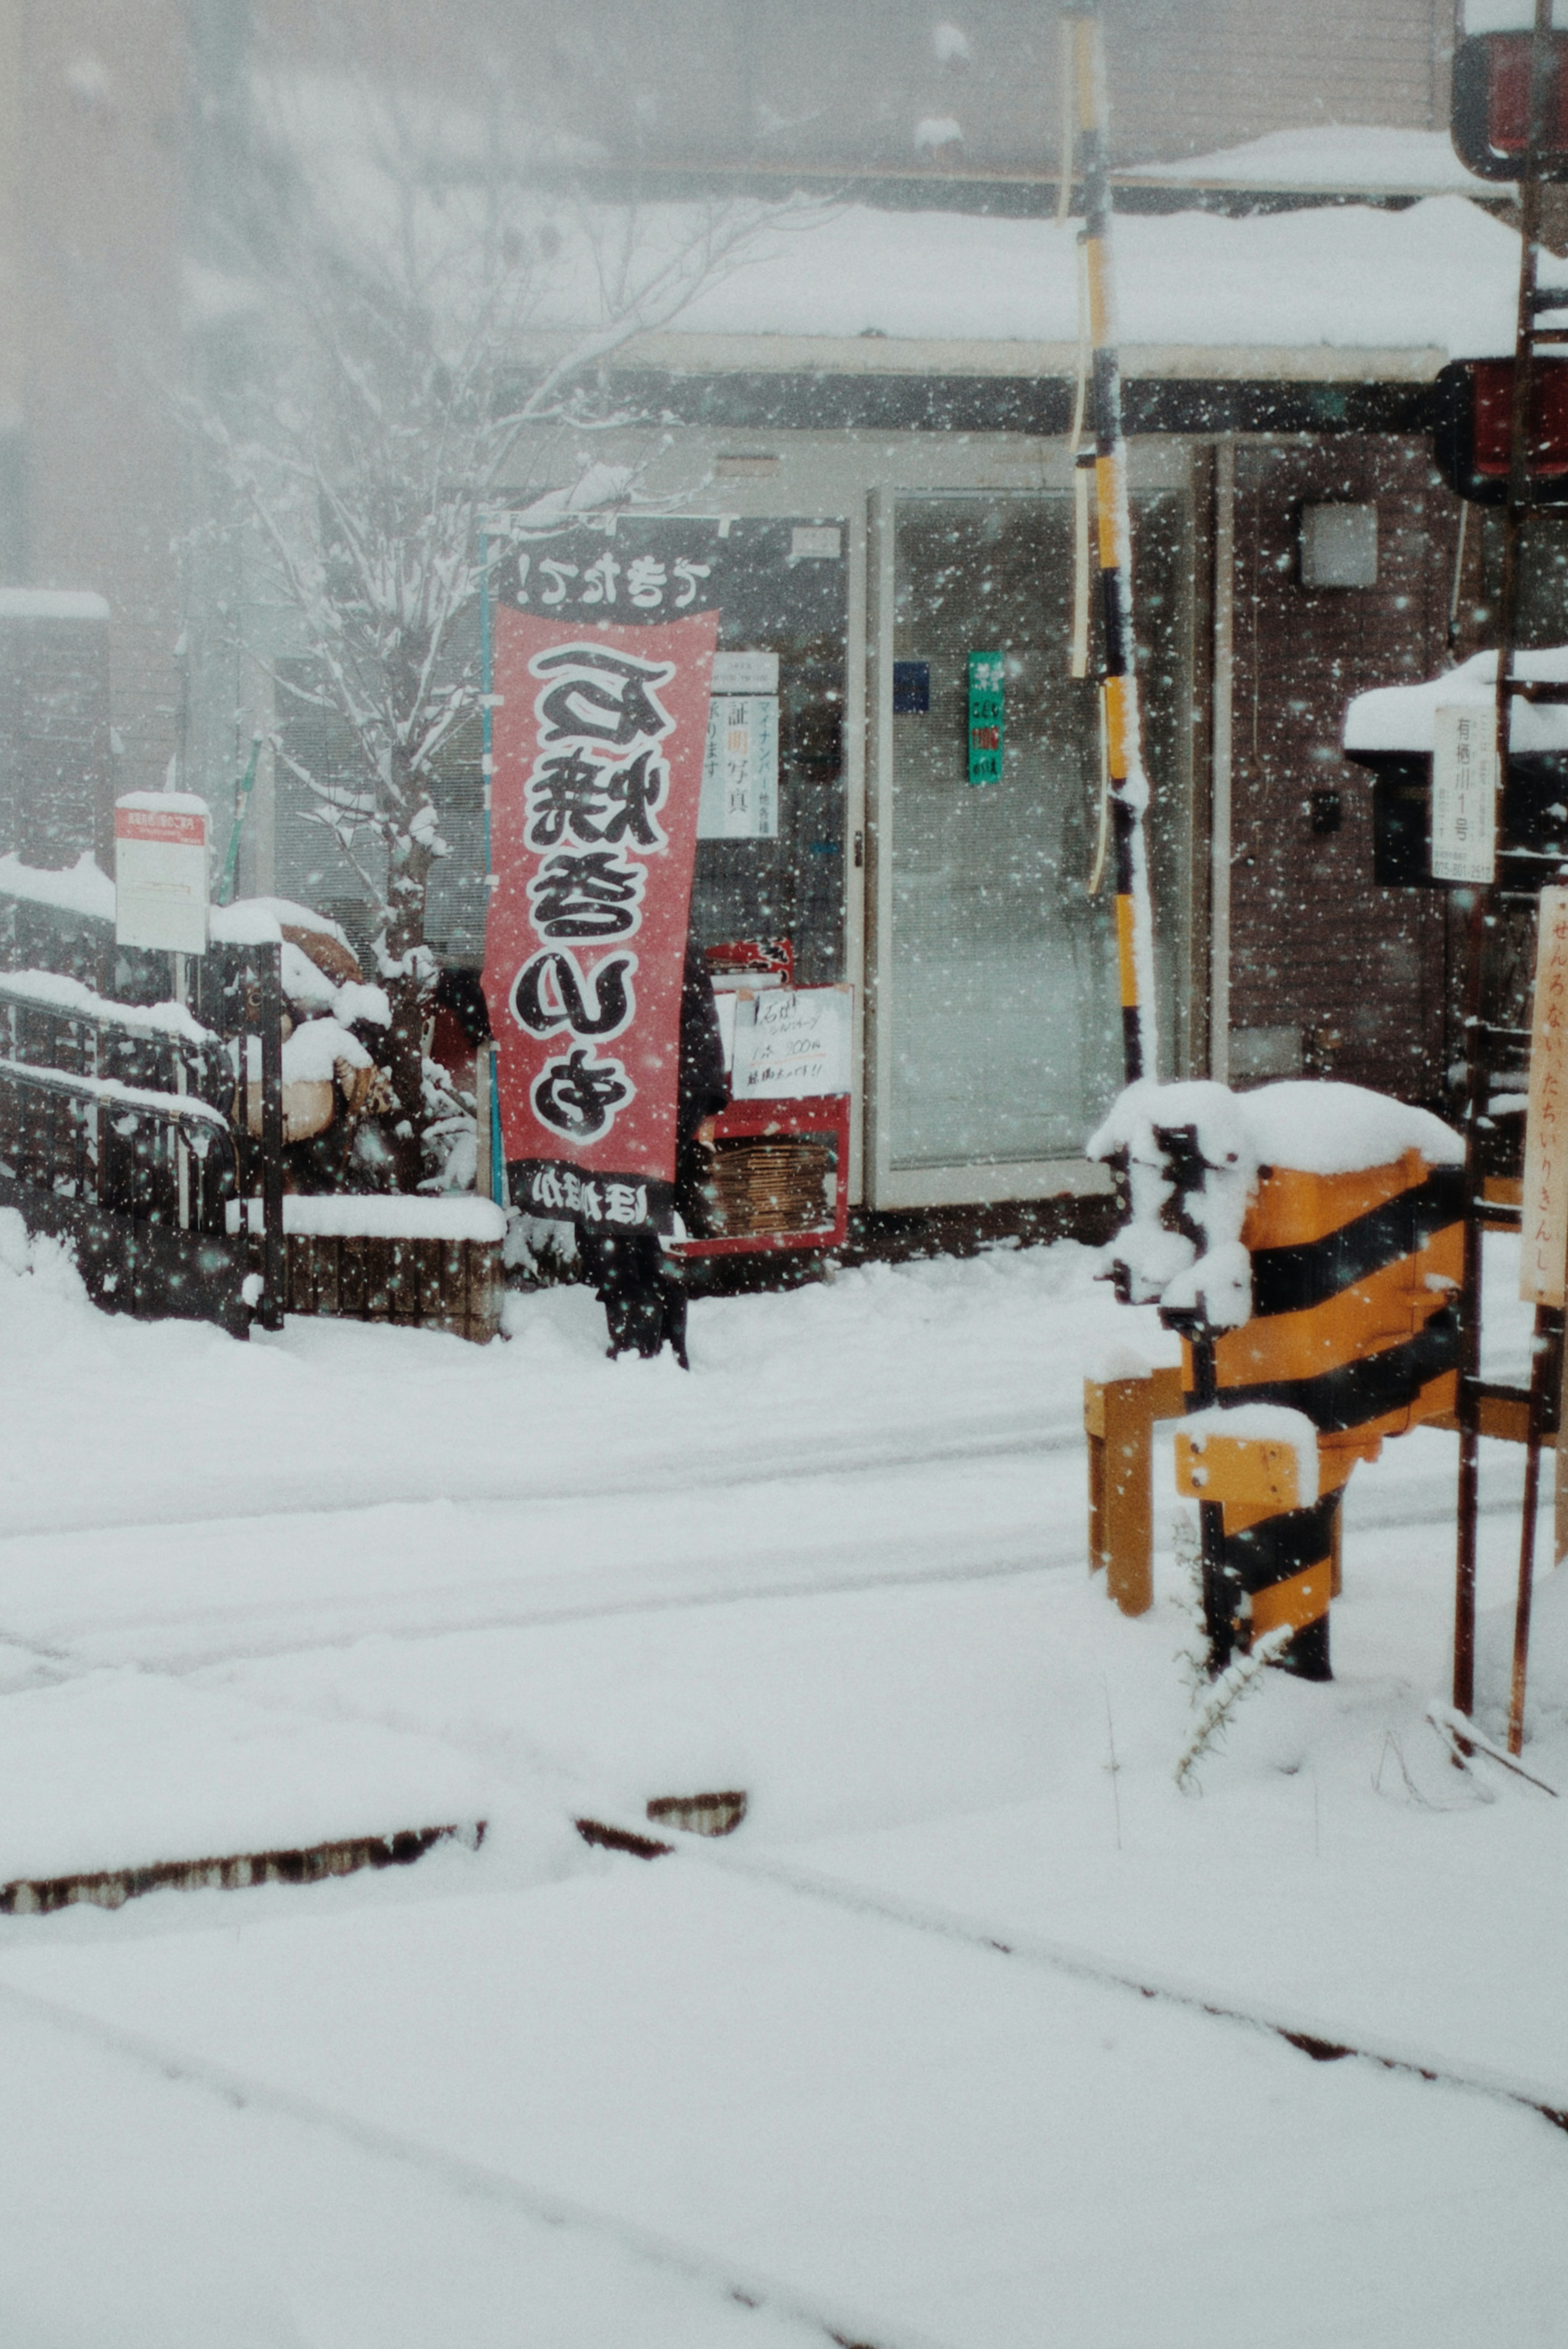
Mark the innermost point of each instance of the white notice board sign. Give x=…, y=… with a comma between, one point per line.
x=792, y=1043
x=1464, y=792
x=741, y=768
x=161, y=871
x=1543, y=1251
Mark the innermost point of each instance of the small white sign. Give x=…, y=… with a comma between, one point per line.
x=741, y=768
x=1464, y=793
x=792, y=1043
x=745, y=673
x=161, y=872
x=816, y=541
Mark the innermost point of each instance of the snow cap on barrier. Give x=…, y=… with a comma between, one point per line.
x=1193, y=1154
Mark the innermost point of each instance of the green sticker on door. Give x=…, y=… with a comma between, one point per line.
x=986, y=700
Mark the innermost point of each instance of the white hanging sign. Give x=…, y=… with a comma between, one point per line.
x=791, y=1043
x=1464, y=793
x=1544, y=1250
x=741, y=768
x=161, y=871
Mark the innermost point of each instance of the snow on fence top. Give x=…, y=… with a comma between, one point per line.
x=50, y=990
x=1399, y=716
x=51, y=603
x=81, y=890
x=342, y=1216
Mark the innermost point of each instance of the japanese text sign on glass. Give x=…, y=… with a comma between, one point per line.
x=598, y=752
x=161, y=872
x=1543, y=1251
x=792, y=1043
x=740, y=769
x=1464, y=793
x=985, y=713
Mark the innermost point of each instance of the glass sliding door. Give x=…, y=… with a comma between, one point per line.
x=1000, y=968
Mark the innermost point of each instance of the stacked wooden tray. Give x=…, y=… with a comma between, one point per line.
x=780, y=1183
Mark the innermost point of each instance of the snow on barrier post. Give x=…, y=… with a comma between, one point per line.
x=1306, y=1242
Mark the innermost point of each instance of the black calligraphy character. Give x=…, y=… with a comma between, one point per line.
x=611, y=697
x=564, y=794
x=552, y=990
x=579, y=1096
x=636, y=792
x=595, y=896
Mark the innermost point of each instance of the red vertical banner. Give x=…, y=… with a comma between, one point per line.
x=598, y=738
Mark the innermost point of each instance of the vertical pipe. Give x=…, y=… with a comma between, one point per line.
x=270, y=991
x=1220, y=820
x=1129, y=782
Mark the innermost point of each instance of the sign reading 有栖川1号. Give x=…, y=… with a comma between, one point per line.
x=985, y=703
x=1464, y=793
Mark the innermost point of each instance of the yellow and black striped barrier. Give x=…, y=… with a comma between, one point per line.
x=1352, y=1326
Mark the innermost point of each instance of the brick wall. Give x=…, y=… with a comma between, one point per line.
x=1358, y=972
x=1189, y=76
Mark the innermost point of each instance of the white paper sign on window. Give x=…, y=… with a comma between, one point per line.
x=1464, y=793
x=792, y=1043
x=740, y=770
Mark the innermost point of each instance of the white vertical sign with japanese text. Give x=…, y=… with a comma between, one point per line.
x=741, y=768
x=161, y=871
x=1464, y=793
x=1544, y=1255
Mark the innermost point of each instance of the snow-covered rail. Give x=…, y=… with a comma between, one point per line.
x=1312, y=2035
x=729, y=2280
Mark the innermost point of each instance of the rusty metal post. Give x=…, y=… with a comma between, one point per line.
x=1545, y=1372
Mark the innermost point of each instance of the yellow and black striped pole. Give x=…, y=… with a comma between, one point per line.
x=1085, y=60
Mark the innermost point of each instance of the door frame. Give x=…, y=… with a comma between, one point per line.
x=966, y=472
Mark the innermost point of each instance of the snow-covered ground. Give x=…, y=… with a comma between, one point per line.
x=881, y=2065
